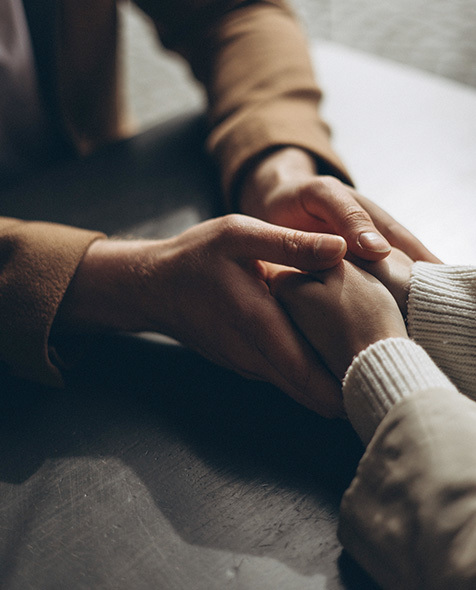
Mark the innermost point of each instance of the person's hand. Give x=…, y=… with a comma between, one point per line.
x=395, y=273
x=340, y=311
x=207, y=289
x=285, y=189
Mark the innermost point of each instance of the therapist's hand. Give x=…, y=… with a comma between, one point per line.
x=285, y=189
x=207, y=289
x=340, y=311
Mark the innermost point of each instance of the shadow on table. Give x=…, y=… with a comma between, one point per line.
x=232, y=464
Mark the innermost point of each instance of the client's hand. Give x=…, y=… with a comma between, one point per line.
x=340, y=311
x=394, y=272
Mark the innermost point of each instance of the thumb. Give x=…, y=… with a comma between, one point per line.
x=332, y=201
x=257, y=239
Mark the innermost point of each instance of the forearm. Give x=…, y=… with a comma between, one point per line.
x=255, y=64
x=128, y=285
x=383, y=375
x=263, y=93
x=408, y=517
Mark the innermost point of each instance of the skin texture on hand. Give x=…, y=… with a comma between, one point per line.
x=285, y=189
x=394, y=272
x=340, y=311
x=207, y=288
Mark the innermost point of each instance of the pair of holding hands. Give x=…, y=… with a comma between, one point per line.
x=221, y=289
x=342, y=310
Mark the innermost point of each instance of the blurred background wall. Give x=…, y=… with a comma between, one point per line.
x=437, y=36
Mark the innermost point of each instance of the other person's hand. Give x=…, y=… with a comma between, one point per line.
x=207, y=289
x=285, y=189
x=340, y=311
x=394, y=272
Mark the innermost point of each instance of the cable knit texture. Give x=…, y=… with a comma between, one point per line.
x=442, y=319
x=382, y=375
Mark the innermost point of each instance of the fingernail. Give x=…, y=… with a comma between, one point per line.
x=330, y=246
x=369, y=240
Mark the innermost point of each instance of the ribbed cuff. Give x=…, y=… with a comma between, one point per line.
x=442, y=319
x=382, y=375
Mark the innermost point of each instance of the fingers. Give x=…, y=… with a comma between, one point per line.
x=293, y=366
x=368, y=229
x=327, y=198
x=397, y=235
x=310, y=304
x=340, y=313
x=221, y=305
x=246, y=237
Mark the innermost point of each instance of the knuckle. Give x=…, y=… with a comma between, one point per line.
x=331, y=182
x=325, y=192
x=355, y=216
x=326, y=184
x=319, y=185
x=293, y=243
x=230, y=227
x=231, y=222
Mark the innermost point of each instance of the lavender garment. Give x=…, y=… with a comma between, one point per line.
x=25, y=142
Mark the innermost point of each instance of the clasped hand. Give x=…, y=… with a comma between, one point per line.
x=207, y=288
x=343, y=310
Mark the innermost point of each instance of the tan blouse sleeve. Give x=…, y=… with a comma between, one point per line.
x=37, y=263
x=254, y=62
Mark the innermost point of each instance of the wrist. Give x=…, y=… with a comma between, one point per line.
x=104, y=292
x=384, y=374
x=285, y=165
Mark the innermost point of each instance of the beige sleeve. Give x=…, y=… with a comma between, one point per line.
x=254, y=62
x=409, y=516
x=37, y=262
x=442, y=318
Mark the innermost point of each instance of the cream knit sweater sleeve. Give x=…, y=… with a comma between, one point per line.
x=442, y=324
x=384, y=374
x=442, y=319
x=408, y=517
